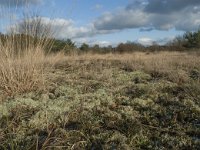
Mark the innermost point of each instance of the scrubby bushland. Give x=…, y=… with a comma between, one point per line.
x=190, y=41
x=129, y=47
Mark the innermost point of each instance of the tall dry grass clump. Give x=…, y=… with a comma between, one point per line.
x=19, y=71
x=23, y=55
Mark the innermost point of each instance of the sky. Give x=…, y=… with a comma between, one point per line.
x=109, y=22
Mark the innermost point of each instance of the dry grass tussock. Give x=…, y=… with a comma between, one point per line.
x=22, y=65
x=24, y=55
x=20, y=72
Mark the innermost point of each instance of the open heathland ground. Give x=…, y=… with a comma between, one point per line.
x=111, y=101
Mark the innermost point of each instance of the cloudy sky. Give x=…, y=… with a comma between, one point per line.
x=109, y=22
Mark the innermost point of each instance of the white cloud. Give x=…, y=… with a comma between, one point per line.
x=139, y=14
x=121, y=20
x=145, y=41
x=153, y=14
x=92, y=42
x=64, y=28
x=102, y=43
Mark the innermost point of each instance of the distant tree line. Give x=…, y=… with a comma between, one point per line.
x=189, y=41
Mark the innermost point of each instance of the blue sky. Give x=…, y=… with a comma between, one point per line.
x=109, y=22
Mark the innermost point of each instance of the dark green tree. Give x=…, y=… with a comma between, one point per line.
x=70, y=43
x=84, y=47
x=63, y=45
x=192, y=39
